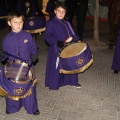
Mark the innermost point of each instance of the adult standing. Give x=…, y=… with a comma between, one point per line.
x=29, y=8
x=114, y=19
x=35, y=19
x=78, y=8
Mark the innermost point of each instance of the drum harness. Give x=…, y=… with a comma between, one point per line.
x=65, y=44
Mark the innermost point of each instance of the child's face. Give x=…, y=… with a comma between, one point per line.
x=60, y=13
x=16, y=24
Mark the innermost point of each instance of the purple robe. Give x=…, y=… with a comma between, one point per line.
x=21, y=45
x=57, y=31
x=116, y=57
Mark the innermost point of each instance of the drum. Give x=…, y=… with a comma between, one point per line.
x=35, y=24
x=18, y=71
x=75, y=58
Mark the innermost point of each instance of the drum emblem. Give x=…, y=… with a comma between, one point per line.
x=18, y=91
x=31, y=23
x=80, y=61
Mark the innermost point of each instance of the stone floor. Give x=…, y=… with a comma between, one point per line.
x=98, y=99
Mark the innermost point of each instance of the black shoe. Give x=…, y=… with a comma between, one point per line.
x=116, y=71
x=78, y=86
x=8, y=112
x=36, y=113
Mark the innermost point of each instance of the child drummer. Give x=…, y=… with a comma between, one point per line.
x=19, y=46
x=58, y=31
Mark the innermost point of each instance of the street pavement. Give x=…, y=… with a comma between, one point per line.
x=97, y=99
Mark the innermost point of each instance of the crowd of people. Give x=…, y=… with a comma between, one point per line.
x=19, y=49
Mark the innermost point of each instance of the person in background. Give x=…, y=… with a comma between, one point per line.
x=50, y=8
x=114, y=20
x=116, y=57
x=78, y=8
x=34, y=17
x=4, y=9
x=29, y=8
x=58, y=31
x=19, y=49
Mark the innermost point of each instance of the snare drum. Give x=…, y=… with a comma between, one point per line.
x=19, y=72
x=75, y=58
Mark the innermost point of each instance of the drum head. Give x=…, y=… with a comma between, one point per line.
x=72, y=50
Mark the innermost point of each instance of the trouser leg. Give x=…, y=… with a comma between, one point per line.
x=113, y=33
x=13, y=106
x=81, y=16
x=30, y=102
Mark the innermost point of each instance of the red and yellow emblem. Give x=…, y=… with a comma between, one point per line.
x=80, y=61
x=31, y=23
x=19, y=91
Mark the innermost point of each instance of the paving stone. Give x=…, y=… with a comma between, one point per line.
x=62, y=115
x=97, y=99
x=108, y=118
x=47, y=115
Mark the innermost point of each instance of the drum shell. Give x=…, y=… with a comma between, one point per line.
x=19, y=72
x=76, y=64
x=34, y=23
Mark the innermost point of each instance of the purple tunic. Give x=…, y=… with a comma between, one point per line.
x=57, y=31
x=116, y=57
x=21, y=45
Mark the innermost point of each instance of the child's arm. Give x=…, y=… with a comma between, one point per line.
x=50, y=34
x=34, y=52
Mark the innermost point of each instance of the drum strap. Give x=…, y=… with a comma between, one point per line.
x=57, y=61
x=14, y=56
x=70, y=27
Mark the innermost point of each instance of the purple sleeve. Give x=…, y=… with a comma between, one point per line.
x=33, y=46
x=50, y=34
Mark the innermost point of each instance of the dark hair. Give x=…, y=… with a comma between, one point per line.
x=60, y=4
x=13, y=14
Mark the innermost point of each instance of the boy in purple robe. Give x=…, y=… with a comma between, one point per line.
x=20, y=49
x=57, y=32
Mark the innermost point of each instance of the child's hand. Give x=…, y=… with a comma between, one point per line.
x=69, y=39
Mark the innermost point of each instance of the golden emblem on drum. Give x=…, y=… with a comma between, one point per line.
x=79, y=61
